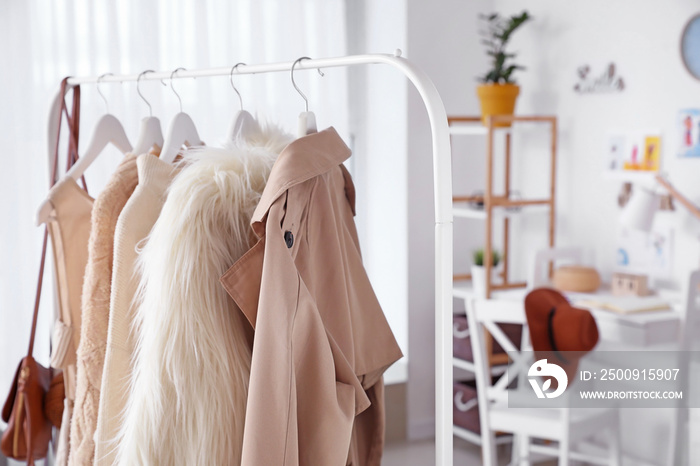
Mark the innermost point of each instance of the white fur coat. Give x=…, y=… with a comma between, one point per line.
x=189, y=384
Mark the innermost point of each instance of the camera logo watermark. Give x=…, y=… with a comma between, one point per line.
x=602, y=379
x=541, y=369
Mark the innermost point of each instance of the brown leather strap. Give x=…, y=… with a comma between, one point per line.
x=74, y=132
x=73, y=120
x=37, y=298
x=28, y=433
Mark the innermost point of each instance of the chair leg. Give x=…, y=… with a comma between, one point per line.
x=514, y=451
x=615, y=447
x=488, y=450
x=564, y=450
x=523, y=450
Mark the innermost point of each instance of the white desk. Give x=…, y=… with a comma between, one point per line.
x=641, y=329
x=617, y=331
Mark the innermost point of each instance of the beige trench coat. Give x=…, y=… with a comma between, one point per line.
x=322, y=343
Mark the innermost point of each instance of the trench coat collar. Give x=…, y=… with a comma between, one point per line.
x=303, y=159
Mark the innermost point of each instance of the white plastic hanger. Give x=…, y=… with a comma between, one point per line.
x=108, y=130
x=150, y=134
x=307, y=119
x=243, y=124
x=181, y=131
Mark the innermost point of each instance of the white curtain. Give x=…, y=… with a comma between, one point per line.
x=43, y=41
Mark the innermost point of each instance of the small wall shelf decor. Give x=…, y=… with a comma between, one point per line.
x=608, y=81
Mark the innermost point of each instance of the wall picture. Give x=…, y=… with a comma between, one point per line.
x=645, y=253
x=634, y=153
x=652, y=149
x=689, y=133
x=639, y=151
x=615, y=151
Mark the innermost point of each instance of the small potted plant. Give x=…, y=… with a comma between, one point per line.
x=498, y=90
x=479, y=271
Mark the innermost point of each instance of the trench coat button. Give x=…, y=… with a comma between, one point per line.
x=289, y=238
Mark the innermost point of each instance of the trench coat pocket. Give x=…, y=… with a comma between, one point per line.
x=346, y=399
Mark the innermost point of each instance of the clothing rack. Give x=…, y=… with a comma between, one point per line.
x=442, y=179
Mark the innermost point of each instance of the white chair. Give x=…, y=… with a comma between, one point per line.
x=563, y=425
x=539, y=275
x=686, y=429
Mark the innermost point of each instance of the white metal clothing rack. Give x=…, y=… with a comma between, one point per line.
x=442, y=178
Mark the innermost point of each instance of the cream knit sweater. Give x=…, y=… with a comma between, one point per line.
x=135, y=222
x=95, y=310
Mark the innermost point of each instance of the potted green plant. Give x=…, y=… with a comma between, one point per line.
x=479, y=271
x=498, y=91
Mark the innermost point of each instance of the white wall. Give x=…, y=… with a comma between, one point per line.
x=642, y=39
x=441, y=38
x=378, y=123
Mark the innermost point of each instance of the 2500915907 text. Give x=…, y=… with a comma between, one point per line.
x=632, y=374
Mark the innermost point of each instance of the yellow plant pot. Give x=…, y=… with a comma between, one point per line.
x=497, y=99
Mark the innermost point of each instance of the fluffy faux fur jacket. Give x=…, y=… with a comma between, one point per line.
x=189, y=384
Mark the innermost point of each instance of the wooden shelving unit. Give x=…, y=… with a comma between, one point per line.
x=495, y=204
x=495, y=208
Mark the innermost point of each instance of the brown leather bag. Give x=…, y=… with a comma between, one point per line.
x=28, y=416
x=28, y=430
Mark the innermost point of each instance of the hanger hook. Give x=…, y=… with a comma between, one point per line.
x=173, y=88
x=306, y=101
x=240, y=99
x=100, y=91
x=138, y=90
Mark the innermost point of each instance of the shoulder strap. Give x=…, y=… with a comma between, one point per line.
x=73, y=120
x=74, y=129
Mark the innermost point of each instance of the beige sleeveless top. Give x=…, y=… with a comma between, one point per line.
x=69, y=228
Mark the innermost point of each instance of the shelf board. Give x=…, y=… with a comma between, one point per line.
x=467, y=435
x=630, y=176
x=500, y=212
x=463, y=364
x=469, y=366
x=467, y=212
x=464, y=289
x=475, y=438
x=474, y=129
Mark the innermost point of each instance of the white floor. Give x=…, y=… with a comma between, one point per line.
x=423, y=454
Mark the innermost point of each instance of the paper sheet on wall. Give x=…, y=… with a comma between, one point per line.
x=645, y=253
x=689, y=133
